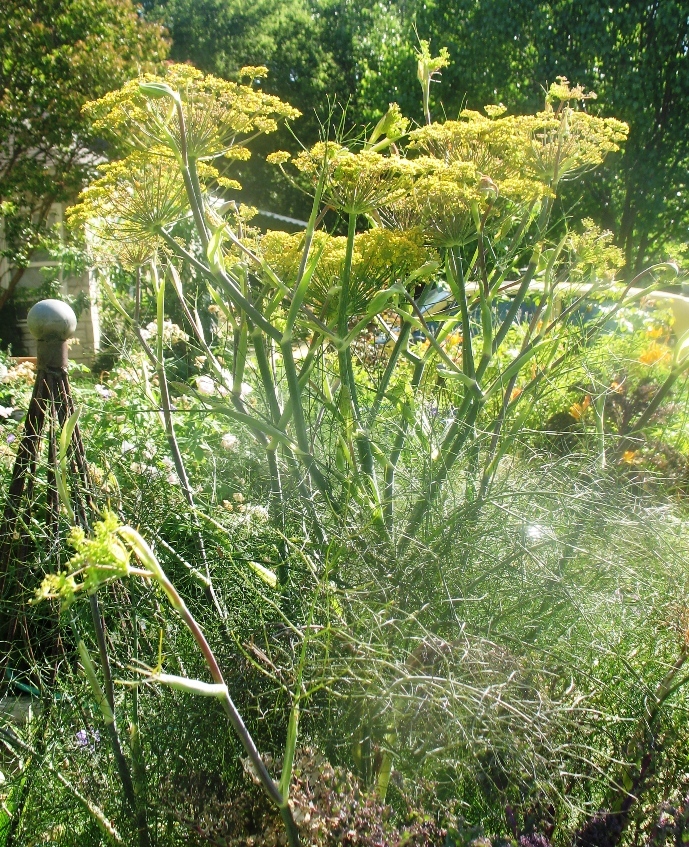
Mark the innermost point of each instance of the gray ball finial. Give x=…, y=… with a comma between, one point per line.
x=51, y=320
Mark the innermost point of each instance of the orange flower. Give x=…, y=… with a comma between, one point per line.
x=629, y=457
x=654, y=353
x=577, y=410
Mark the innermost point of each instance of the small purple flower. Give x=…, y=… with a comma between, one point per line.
x=87, y=738
x=11, y=438
x=104, y=392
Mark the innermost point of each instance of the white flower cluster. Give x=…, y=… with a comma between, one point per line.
x=23, y=372
x=172, y=334
x=207, y=386
x=245, y=512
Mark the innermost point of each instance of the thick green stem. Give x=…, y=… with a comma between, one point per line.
x=241, y=347
x=457, y=283
x=344, y=357
x=229, y=286
x=266, y=373
x=105, y=701
x=400, y=346
x=391, y=465
x=299, y=422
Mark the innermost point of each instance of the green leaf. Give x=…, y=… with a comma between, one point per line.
x=112, y=297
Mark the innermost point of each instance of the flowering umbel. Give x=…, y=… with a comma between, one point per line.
x=380, y=258
x=218, y=115
x=99, y=559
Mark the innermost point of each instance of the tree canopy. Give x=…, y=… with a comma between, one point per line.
x=54, y=57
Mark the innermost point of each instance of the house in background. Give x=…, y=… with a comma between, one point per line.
x=87, y=335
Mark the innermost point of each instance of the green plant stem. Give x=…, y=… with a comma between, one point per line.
x=266, y=373
x=400, y=346
x=299, y=422
x=173, y=445
x=489, y=465
x=455, y=277
x=500, y=335
x=391, y=464
x=293, y=722
x=198, y=193
x=195, y=201
x=241, y=344
x=650, y=410
x=498, y=274
x=348, y=382
x=123, y=769
x=105, y=701
x=271, y=458
x=228, y=285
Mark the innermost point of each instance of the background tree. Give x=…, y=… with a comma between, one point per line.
x=55, y=56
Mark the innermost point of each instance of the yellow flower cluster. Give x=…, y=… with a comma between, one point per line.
x=548, y=146
x=134, y=198
x=219, y=115
x=126, y=207
x=99, y=559
x=447, y=199
x=566, y=144
x=356, y=183
x=481, y=168
x=381, y=257
x=496, y=147
x=593, y=255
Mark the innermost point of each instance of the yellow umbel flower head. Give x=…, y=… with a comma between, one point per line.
x=593, y=256
x=218, y=115
x=356, y=183
x=127, y=206
x=381, y=258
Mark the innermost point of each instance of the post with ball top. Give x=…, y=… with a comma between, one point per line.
x=52, y=323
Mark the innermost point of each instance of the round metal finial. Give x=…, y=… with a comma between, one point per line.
x=51, y=320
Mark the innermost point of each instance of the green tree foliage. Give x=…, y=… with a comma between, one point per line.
x=55, y=56
x=635, y=55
